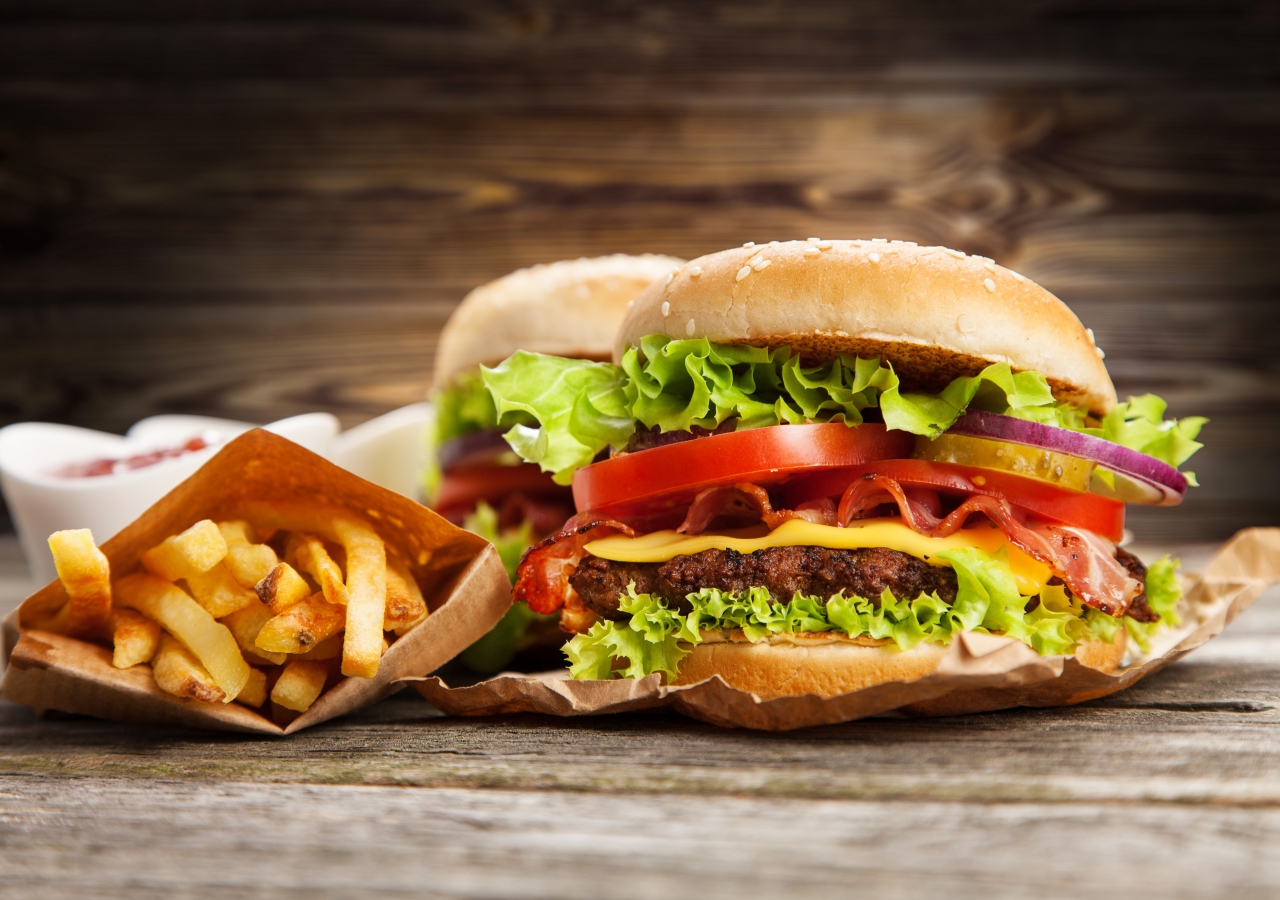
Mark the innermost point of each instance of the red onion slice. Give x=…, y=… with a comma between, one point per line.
x=476, y=448
x=1167, y=484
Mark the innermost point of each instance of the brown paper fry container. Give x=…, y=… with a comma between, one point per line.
x=272, y=481
x=978, y=672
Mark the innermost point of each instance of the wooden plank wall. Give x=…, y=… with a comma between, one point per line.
x=255, y=209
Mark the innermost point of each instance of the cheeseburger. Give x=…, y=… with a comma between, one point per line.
x=829, y=458
x=571, y=309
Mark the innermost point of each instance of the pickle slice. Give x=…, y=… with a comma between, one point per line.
x=1070, y=472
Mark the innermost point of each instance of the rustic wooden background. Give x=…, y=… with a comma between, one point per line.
x=256, y=209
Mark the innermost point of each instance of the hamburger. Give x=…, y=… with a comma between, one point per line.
x=826, y=459
x=571, y=309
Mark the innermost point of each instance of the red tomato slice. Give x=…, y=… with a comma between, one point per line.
x=664, y=478
x=1100, y=515
x=461, y=488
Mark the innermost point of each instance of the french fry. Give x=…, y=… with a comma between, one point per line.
x=308, y=553
x=238, y=530
x=366, y=597
x=245, y=624
x=195, y=551
x=405, y=606
x=219, y=592
x=134, y=637
x=178, y=672
x=86, y=576
x=303, y=625
x=326, y=649
x=247, y=560
x=300, y=684
x=282, y=588
x=211, y=642
x=254, y=692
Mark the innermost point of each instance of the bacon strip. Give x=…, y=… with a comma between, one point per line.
x=752, y=502
x=542, y=580
x=1084, y=561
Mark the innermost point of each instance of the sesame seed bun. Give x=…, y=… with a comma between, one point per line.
x=569, y=308
x=827, y=665
x=934, y=313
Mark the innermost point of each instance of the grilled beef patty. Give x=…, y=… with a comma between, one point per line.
x=814, y=571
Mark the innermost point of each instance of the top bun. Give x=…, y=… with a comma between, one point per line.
x=934, y=313
x=569, y=308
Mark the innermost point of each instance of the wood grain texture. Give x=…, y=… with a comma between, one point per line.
x=255, y=210
x=341, y=841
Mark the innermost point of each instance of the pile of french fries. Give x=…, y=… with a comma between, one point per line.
x=226, y=611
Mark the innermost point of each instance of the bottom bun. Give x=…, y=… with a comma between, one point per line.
x=829, y=668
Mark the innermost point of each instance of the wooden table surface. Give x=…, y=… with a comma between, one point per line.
x=1170, y=789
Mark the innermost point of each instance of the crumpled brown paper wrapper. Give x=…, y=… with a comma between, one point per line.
x=979, y=672
x=270, y=480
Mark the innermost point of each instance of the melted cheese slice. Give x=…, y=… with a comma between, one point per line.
x=660, y=546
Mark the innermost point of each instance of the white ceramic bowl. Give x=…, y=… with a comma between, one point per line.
x=41, y=502
x=390, y=450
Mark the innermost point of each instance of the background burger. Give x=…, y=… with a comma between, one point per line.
x=831, y=457
x=569, y=308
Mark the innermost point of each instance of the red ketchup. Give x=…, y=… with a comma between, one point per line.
x=107, y=466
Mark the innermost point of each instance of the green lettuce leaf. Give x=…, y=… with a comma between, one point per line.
x=1163, y=594
x=498, y=647
x=510, y=545
x=464, y=407
x=494, y=652
x=578, y=406
x=1139, y=424
x=674, y=385
x=649, y=642
x=997, y=388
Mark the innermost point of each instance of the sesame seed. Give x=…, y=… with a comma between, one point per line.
x=1017, y=276
x=749, y=244
x=670, y=276
x=1092, y=339
x=762, y=265
x=824, y=245
x=690, y=328
x=755, y=259
x=775, y=244
x=879, y=241
x=910, y=244
x=989, y=265
x=958, y=254
x=812, y=251
x=989, y=284
x=695, y=271
x=743, y=273
x=1101, y=353
x=814, y=240
x=962, y=324
x=666, y=309
x=875, y=257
